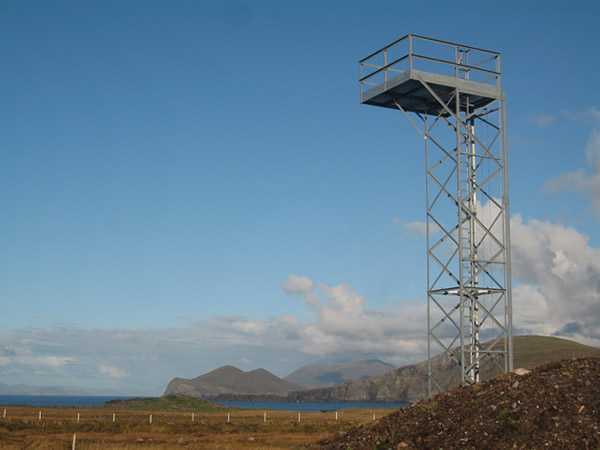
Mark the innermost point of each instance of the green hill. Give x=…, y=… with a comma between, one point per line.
x=181, y=403
x=533, y=351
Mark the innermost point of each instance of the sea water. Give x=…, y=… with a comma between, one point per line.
x=314, y=406
x=96, y=400
x=57, y=400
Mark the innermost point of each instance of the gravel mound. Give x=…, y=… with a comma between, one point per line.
x=553, y=406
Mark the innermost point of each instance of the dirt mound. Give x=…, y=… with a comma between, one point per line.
x=556, y=405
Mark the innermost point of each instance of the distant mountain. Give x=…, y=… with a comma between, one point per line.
x=231, y=380
x=322, y=375
x=406, y=384
x=24, y=389
x=409, y=383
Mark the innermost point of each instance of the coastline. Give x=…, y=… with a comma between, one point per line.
x=85, y=401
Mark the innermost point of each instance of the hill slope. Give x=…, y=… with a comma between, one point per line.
x=553, y=406
x=409, y=383
x=322, y=375
x=171, y=403
x=231, y=380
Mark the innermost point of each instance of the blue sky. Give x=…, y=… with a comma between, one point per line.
x=191, y=184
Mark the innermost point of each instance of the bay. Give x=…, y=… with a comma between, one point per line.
x=96, y=400
x=314, y=406
x=57, y=400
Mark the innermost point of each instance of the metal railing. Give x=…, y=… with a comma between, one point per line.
x=413, y=52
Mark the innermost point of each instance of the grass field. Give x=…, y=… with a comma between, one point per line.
x=224, y=429
x=533, y=351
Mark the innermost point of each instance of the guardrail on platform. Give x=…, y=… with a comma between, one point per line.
x=413, y=52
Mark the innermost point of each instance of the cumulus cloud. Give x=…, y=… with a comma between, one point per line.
x=542, y=120
x=255, y=327
x=25, y=357
x=591, y=115
x=346, y=325
x=415, y=229
x=592, y=153
x=51, y=361
x=290, y=326
x=297, y=285
x=112, y=372
x=585, y=181
x=560, y=281
x=575, y=181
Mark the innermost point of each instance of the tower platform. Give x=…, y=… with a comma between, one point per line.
x=408, y=91
x=474, y=72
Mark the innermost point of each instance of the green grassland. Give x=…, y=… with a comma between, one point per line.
x=533, y=351
x=181, y=403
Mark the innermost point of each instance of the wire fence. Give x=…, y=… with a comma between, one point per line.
x=89, y=428
x=31, y=414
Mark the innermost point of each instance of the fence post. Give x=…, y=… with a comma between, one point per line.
x=74, y=439
x=298, y=417
x=40, y=415
x=265, y=417
x=150, y=420
x=192, y=417
x=114, y=417
x=227, y=417
x=4, y=413
x=77, y=417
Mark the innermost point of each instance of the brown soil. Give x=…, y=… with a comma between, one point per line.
x=553, y=406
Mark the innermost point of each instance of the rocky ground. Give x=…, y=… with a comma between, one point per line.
x=553, y=406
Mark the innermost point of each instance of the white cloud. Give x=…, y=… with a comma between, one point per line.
x=51, y=361
x=583, y=180
x=243, y=362
x=345, y=325
x=25, y=357
x=297, y=285
x=592, y=153
x=591, y=115
x=415, y=229
x=530, y=310
x=341, y=298
x=575, y=181
x=254, y=327
x=303, y=286
x=290, y=326
x=561, y=280
x=113, y=372
x=542, y=120
x=592, y=147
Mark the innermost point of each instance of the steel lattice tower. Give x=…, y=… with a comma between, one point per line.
x=451, y=94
